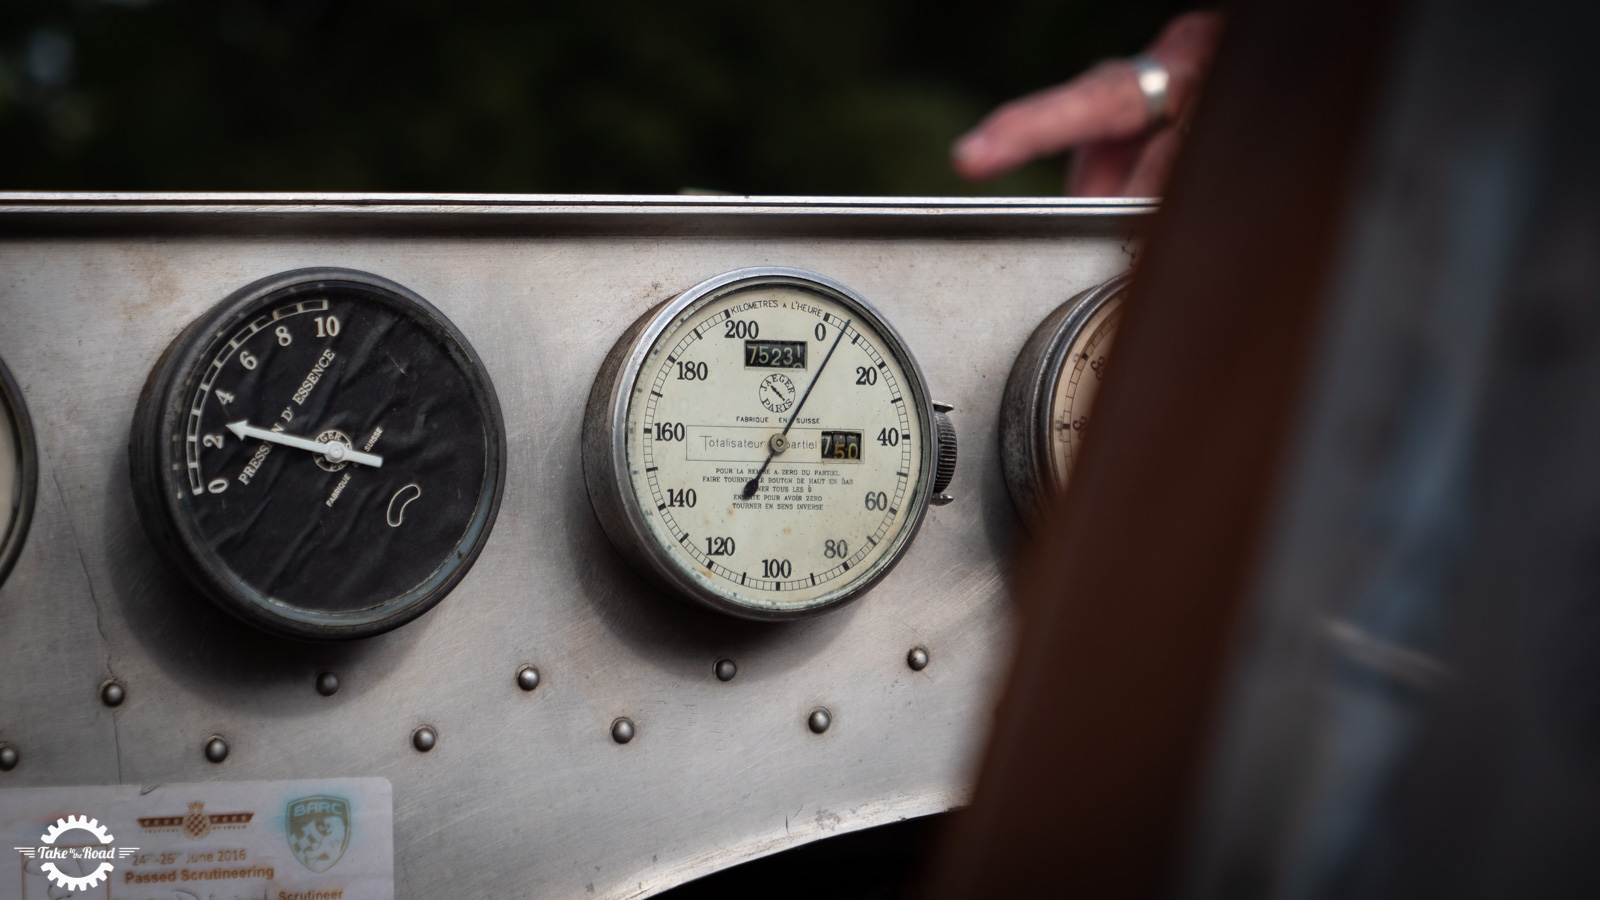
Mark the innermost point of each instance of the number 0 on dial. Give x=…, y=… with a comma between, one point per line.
x=763, y=444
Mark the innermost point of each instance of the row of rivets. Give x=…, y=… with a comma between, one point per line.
x=425, y=737
x=622, y=728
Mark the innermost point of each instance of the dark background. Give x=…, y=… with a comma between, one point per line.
x=817, y=97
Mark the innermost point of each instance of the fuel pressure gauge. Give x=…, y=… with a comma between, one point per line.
x=19, y=471
x=1048, y=397
x=322, y=454
x=764, y=444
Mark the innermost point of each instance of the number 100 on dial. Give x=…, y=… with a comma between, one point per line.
x=764, y=444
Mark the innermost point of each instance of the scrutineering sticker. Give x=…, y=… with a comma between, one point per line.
x=330, y=839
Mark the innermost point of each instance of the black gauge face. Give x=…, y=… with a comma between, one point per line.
x=19, y=472
x=322, y=454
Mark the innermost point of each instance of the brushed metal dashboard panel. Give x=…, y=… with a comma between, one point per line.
x=525, y=794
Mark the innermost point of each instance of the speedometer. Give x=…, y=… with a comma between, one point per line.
x=1050, y=392
x=322, y=454
x=764, y=444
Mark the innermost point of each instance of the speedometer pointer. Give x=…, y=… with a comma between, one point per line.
x=332, y=451
x=754, y=484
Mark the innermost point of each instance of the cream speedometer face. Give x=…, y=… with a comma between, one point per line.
x=1046, y=411
x=776, y=444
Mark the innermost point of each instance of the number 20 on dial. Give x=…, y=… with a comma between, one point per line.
x=764, y=444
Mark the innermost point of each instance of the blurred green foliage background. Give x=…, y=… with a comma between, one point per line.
x=819, y=97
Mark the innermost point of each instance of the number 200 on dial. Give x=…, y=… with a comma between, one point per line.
x=764, y=444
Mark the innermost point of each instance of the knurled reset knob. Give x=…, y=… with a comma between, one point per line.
x=945, y=468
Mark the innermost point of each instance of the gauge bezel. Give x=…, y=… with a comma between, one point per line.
x=1025, y=410
x=605, y=447
x=21, y=513
x=162, y=499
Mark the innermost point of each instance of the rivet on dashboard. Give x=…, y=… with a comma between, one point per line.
x=424, y=738
x=527, y=678
x=8, y=757
x=726, y=669
x=622, y=730
x=112, y=693
x=819, y=720
x=917, y=659
x=216, y=748
x=327, y=684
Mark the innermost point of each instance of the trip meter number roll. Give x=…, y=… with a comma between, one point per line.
x=322, y=454
x=763, y=444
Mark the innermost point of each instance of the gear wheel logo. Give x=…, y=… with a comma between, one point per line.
x=76, y=856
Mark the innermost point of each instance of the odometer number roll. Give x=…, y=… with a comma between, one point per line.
x=322, y=454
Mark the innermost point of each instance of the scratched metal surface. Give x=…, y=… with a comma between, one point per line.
x=526, y=794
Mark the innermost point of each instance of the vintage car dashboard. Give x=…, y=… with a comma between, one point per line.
x=596, y=543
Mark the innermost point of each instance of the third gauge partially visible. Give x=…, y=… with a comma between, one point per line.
x=1045, y=413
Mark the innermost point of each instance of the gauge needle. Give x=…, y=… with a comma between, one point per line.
x=332, y=451
x=754, y=484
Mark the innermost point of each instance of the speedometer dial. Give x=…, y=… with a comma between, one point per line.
x=19, y=471
x=764, y=444
x=1051, y=390
x=322, y=454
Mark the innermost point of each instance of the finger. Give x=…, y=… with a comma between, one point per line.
x=1185, y=47
x=1102, y=104
x=1148, y=173
x=1101, y=169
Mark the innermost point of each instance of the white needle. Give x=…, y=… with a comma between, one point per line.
x=332, y=451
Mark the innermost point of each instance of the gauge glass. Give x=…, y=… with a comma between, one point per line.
x=1076, y=386
x=323, y=454
x=776, y=444
x=9, y=476
x=18, y=472
x=1049, y=397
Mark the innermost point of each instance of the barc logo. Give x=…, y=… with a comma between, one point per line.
x=319, y=830
x=78, y=856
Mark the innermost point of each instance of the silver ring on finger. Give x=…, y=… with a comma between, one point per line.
x=1153, y=79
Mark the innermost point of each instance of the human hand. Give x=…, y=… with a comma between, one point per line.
x=1122, y=149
